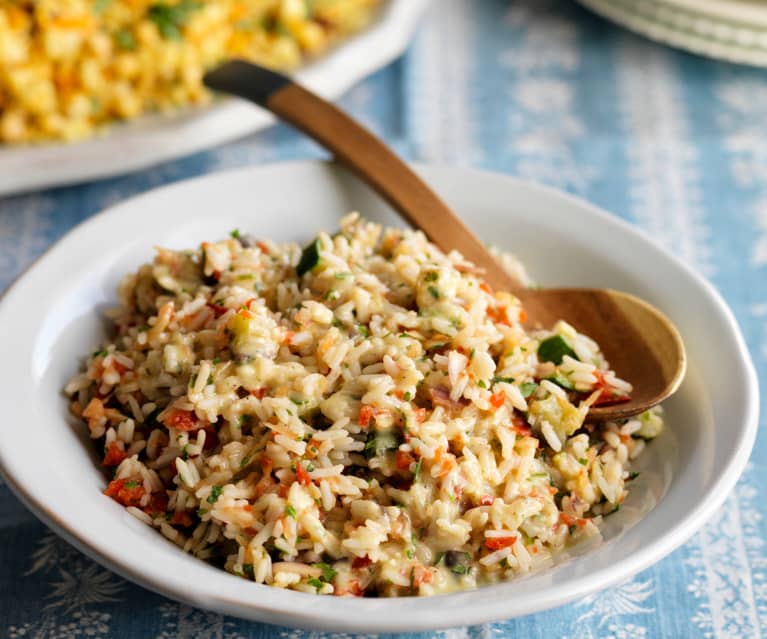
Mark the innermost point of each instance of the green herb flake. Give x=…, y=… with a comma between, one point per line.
x=583, y=462
x=343, y=275
x=410, y=552
x=328, y=572
x=315, y=582
x=248, y=569
x=433, y=291
x=215, y=493
x=417, y=470
x=291, y=512
x=407, y=396
x=131, y=484
x=527, y=389
x=431, y=276
x=633, y=475
x=481, y=383
x=554, y=348
x=438, y=558
x=235, y=234
x=562, y=381
x=170, y=19
x=201, y=512
x=504, y=380
x=310, y=258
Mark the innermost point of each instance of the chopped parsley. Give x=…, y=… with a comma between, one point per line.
x=433, y=291
x=215, y=493
x=291, y=512
x=235, y=234
x=328, y=572
x=554, y=348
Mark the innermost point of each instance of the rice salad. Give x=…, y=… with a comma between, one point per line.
x=362, y=416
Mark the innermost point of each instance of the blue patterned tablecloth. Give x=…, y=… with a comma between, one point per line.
x=541, y=89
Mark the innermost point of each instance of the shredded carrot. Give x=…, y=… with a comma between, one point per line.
x=486, y=287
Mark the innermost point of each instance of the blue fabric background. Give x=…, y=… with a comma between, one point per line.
x=541, y=89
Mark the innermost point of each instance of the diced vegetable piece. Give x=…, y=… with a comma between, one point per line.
x=310, y=258
x=554, y=348
x=561, y=380
x=528, y=388
x=379, y=442
x=457, y=561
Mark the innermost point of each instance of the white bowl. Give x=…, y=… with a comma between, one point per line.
x=51, y=317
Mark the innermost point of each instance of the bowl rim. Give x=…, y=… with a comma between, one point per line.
x=366, y=613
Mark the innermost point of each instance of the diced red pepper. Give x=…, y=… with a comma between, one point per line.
x=127, y=491
x=486, y=500
x=497, y=400
x=302, y=477
x=217, y=309
x=520, y=426
x=367, y=413
x=608, y=398
x=158, y=504
x=184, y=420
x=496, y=543
x=403, y=460
x=181, y=518
x=259, y=393
x=211, y=437
x=422, y=575
x=361, y=562
x=115, y=454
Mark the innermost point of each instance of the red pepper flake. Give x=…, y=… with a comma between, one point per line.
x=496, y=543
x=259, y=393
x=183, y=420
x=127, y=491
x=115, y=454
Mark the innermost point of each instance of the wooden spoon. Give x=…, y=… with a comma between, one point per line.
x=641, y=344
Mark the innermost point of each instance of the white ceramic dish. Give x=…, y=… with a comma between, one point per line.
x=733, y=30
x=51, y=317
x=157, y=138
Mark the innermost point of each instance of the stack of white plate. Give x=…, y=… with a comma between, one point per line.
x=734, y=30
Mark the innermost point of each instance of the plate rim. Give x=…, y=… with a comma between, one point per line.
x=696, y=517
x=676, y=23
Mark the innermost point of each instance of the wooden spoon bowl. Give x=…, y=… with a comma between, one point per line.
x=641, y=344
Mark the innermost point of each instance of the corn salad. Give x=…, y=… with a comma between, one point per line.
x=67, y=67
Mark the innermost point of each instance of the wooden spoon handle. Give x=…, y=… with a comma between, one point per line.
x=364, y=154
